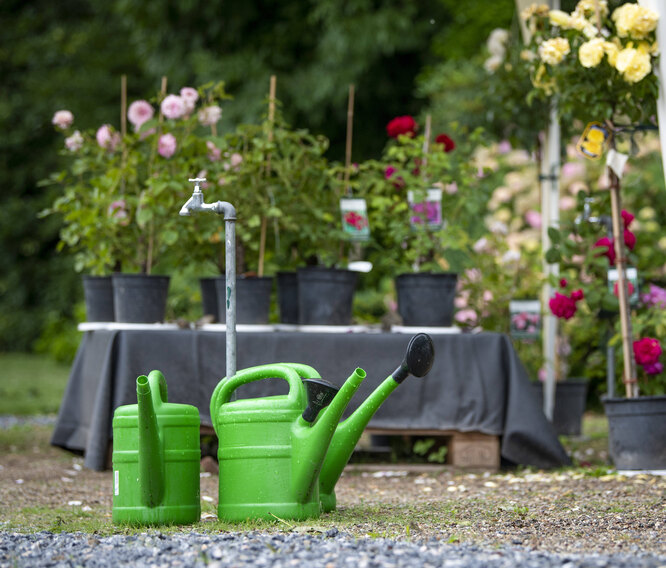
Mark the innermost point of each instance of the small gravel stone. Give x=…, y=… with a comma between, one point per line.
x=283, y=550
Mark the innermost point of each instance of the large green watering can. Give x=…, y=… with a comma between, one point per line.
x=281, y=456
x=156, y=457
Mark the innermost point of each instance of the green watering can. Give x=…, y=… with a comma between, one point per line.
x=281, y=456
x=156, y=457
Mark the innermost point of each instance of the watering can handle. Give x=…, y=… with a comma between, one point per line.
x=158, y=387
x=296, y=398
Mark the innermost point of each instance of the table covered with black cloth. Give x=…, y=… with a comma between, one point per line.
x=477, y=383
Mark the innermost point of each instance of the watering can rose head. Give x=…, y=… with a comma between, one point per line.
x=118, y=194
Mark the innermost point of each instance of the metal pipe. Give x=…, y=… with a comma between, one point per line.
x=196, y=204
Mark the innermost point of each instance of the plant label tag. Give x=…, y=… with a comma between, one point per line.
x=426, y=213
x=355, y=218
x=594, y=141
x=525, y=322
x=616, y=161
x=632, y=283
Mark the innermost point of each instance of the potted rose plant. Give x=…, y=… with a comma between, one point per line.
x=424, y=202
x=121, y=192
x=598, y=65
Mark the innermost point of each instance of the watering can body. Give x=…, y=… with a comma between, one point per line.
x=269, y=456
x=156, y=457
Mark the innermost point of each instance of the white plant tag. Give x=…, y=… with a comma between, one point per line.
x=616, y=161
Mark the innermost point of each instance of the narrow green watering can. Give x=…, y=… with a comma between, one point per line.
x=156, y=457
x=281, y=456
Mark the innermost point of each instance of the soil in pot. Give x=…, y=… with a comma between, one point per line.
x=98, y=294
x=426, y=299
x=140, y=298
x=253, y=299
x=325, y=295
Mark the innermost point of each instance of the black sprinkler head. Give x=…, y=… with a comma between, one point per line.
x=418, y=359
x=320, y=394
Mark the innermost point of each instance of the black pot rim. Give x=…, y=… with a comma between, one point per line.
x=638, y=399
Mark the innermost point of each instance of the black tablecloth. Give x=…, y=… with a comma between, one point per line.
x=477, y=383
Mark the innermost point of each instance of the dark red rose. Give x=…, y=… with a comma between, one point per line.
x=630, y=288
x=577, y=295
x=629, y=239
x=627, y=218
x=610, y=249
x=562, y=306
x=647, y=351
x=401, y=125
x=445, y=140
x=563, y=282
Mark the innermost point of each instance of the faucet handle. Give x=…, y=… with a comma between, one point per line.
x=196, y=182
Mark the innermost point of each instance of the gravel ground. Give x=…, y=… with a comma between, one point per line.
x=278, y=550
x=417, y=516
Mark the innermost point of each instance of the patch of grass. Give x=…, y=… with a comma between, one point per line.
x=31, y=384
x=26, y=438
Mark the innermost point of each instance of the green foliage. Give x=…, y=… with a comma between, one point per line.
x=31, y=384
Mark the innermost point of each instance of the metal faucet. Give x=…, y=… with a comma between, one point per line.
x=604, y=220
x=196, y=204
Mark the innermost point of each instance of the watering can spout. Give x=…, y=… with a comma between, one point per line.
x=418, y=361
x=150, y=391
x=310, y=441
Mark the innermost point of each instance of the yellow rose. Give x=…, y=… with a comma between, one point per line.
x=539, y=10
x=553, y=51
x=582, y=24
x=634, y=20
x=588, y=8
x=634, y=64
x=559, y=18
x=611, y=50
x=591, y=52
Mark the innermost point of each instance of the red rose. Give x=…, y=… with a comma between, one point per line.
x=449, y=145
x=629, y=239
x=647, y=351
x=577, y=295
x=627, y=218
x=630, y=288
x=401, y=125
x=610, y=248
x=563, y=282
x=562, y=306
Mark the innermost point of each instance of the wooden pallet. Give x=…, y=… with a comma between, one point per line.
x=465, y=449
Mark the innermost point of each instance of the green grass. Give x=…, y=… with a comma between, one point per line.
x=31, y=384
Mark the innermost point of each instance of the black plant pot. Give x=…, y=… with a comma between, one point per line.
x=98, y=294
x=426, y=299
x=209, y=297
x=325, y=295
x=570, y=398
x=637, y=432
x=287, y=295
x=140, y=298
x=253, y=299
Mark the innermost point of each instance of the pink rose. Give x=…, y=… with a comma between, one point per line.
x=533, y=219
x=74, y=142
x=210, y=115
x=653, y=368
x=166, y=145
x=562, y=306
x=173, y=106
x=190, y=97
x=214, y=153
x=107, y=138
x=63, y=119
x=117, y=210
x=401, y=125
x=466, y=316
x=577, y=295
x=451, y=188
x=647, y=351
x=139, y=112
x=629, y=239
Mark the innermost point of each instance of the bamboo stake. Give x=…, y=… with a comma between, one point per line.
x=123, y=105
x=264, y=219
x=151, y=231
x=426, y=141
x=348, y=144
x=629, y=377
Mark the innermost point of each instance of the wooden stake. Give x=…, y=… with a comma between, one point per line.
x=629, y=377
x=264, y=220
x=348, y=145
x=123, y=105
x=426, y=142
